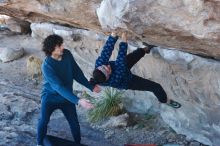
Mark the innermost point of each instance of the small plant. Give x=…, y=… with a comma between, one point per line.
x=109, y=105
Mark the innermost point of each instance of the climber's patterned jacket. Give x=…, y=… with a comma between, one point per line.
x=120, y=75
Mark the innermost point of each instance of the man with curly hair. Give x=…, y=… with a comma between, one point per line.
x=59, y=69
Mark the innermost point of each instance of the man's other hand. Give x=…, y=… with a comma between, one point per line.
x=85, y=104
x=96, y=89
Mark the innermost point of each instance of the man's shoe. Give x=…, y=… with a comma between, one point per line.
x=148, y=47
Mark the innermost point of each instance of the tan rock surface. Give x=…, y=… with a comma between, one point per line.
x=191, y=26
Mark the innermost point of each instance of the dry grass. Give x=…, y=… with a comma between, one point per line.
x=34, y=67
x=108, y=106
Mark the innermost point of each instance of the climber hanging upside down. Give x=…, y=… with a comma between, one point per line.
x=117, y=73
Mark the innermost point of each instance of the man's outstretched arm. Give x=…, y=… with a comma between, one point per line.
x=106, y=53
x=80, y=77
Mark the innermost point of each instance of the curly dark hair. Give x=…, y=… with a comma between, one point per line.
x=98, y=77
x=50, y=43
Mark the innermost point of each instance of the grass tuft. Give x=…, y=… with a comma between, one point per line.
x=109, y=105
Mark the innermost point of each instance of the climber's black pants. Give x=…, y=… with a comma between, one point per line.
x=141, y=84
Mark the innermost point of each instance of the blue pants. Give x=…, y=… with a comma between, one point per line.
x=48, y=105
x=141, y=84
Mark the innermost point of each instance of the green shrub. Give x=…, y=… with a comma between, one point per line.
x=109, y=105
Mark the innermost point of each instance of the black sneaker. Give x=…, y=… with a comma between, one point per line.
x=174, y=104
x=149, y=47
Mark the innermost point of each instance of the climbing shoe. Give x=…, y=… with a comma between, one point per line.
x=148, y=47
x=174, y=104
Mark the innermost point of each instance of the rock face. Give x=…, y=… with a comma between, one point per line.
x=194, y=82
x=189, y=79
x=191, y=26
x=118, y=121
x=17, y=122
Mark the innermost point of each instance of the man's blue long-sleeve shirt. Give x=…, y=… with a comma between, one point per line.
x=58, y=78
x=120, y=75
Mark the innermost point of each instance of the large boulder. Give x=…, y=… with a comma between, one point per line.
x=191, y=26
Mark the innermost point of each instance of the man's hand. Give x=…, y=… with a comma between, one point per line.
x=85, y=104
x=96, y=89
